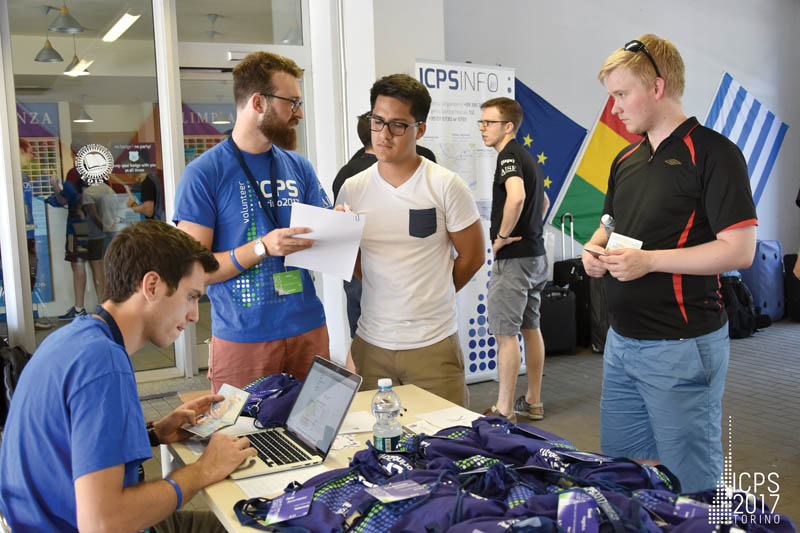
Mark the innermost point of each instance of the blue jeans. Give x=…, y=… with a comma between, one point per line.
x=662, y=400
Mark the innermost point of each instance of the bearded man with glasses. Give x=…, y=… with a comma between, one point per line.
x=684, y=192
x=236, y=199
x=416, y=213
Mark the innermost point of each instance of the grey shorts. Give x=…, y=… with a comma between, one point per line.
x=515, y=291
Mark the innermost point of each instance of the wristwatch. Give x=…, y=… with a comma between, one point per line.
x=259, y=249
x=151, y=435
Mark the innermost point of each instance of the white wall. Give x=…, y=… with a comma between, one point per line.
x=406, y=31
x=558, y=47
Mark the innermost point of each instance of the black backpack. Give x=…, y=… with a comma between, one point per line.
x=12, y=361
x=739, y=306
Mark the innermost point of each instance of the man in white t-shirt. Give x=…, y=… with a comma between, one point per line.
x=417, y=213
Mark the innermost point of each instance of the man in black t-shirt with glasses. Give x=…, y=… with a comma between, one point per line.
x=519, y=272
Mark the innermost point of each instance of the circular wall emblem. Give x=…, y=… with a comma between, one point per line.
x=94, y=163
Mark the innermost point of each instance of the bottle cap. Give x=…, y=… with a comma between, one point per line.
x=384, y=383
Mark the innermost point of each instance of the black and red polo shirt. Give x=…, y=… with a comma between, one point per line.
x=693, y=187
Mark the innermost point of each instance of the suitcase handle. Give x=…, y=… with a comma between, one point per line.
x=564, y=236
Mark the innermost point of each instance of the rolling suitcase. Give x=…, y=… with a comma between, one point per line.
x=764, y=278
x=791, y=288
x=570, y=273
x=557, y=321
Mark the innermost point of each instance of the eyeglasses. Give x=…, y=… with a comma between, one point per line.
x=296, y=102
x=487, y=123
x=398, y=129
x=639, y=46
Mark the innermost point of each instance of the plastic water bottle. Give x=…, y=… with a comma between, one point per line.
x=386, y=408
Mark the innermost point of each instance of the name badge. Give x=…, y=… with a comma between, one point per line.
x=288, y=282
x=289, y=506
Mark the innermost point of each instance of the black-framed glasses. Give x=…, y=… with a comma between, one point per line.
x=639, y=46
x=398, y=129
x=487, y=123
x=296, y=102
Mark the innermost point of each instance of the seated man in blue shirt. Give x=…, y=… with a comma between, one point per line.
x=75, y=434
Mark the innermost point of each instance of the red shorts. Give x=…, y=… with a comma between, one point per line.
x=239, y=363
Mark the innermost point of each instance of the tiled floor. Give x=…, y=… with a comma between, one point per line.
x=762, y=399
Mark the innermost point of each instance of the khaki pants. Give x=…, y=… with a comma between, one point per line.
x=438, y=368
x=239, y=363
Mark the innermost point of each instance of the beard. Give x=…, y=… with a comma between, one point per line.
x=282, y=134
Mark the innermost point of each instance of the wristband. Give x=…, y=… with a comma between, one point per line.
x=178, y=492
x=501, y=237
x=152, y=436
x=235, y=262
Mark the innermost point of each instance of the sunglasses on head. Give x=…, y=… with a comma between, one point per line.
x=639, y=46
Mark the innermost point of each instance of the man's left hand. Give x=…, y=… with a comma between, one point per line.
x=168, y=429
x=627, y=264
x=499, y=243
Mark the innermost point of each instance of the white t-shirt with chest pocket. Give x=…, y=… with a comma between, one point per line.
x=408, y=298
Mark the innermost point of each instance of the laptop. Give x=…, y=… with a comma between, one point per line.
x=313, y=423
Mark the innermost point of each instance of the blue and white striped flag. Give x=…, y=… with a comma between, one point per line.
x=755, y=129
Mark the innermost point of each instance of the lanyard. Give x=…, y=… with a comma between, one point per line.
x=112, y=325
x=272, y=215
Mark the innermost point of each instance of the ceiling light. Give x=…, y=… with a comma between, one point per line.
x=48, y=54
x=80, y=68
x=83, y=117
x=65, y=23
x=72, y=65
x=221, y=120
x=120, y=27
x=71, y=68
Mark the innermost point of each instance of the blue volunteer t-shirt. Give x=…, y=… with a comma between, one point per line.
x=75, y=411
x=215, y=192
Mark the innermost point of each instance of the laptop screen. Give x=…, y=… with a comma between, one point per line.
x=322, y=404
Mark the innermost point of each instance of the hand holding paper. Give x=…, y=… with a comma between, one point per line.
x=336, y=236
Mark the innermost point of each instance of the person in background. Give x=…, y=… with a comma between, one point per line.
x=684, y=192
x=76, y=435
x=417, y=212
x=361, y=160
x=94, y=205
x=69, y=194
x=236, y=199
x=152, y=196
x=519, y=271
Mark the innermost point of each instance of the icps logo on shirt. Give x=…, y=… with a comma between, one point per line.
x=282, y=185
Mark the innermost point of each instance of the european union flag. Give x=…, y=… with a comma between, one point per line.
x=550, y=135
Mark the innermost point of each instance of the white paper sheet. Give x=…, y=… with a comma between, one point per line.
x=345, y=441
x=422, y=426
x=452, y=416
x=336, y=236
x=272, y=484
x=357, y=422
x=617, y=241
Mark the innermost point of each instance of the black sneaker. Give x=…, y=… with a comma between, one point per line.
x=72, y=313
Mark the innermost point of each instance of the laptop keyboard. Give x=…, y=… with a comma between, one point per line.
x=274, y=449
